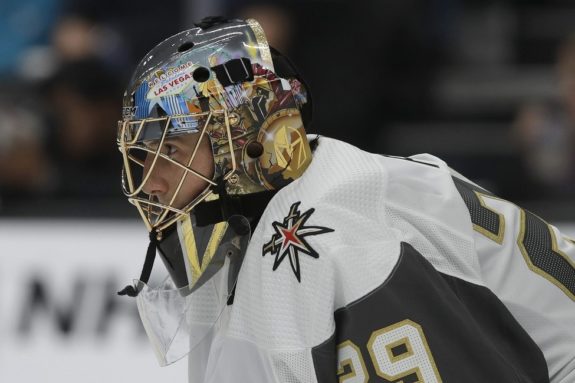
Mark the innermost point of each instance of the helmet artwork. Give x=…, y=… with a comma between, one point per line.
x=217, y=80
x=220, y=89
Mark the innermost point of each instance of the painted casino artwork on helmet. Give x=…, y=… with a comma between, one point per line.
x=234, y=97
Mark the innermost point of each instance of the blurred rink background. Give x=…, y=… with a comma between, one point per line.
x=489, y=86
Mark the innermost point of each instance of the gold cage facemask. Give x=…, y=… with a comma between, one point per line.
x=142, y=157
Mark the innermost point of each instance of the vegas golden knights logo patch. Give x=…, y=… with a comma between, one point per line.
x=289, y=239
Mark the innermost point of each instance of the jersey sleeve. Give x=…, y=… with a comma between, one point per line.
x=530, y=265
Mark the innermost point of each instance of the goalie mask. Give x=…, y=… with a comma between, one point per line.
x=213, y=124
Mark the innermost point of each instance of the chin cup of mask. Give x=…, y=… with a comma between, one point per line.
x=204, y=263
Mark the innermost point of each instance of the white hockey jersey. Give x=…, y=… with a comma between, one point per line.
x=381, y=269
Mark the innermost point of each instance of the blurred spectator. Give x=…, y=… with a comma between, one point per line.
x=545, y=132
x=84, y=103
x=124, y=30
x=57, y=146
x=24, y=167
x=24, y=25
x=77, y=37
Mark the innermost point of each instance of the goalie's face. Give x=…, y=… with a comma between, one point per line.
x=165, y=176
x=171, y=184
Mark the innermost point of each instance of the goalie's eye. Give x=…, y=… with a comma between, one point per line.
x=169, y=150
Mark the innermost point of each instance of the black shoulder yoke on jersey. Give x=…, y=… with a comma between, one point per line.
x=470, y=336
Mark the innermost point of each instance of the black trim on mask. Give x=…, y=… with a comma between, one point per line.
x=285, y=68
x=250, y=206
x=234, y=71
x=211, y=21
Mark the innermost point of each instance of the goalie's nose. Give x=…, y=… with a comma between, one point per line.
x=154, y=185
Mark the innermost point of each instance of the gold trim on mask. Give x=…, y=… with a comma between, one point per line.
x=159, y=218
x=197, y=267
x=262, y=41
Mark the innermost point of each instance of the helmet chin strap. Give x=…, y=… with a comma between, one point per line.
x=132, y=291
x=251, y=206
x=224, y=199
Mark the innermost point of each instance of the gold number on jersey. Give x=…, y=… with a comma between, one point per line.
x=400, y=350
x=397, y=351
x=351, y=367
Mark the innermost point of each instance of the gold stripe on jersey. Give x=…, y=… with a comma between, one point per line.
x=554, y=248
x=498, y=238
